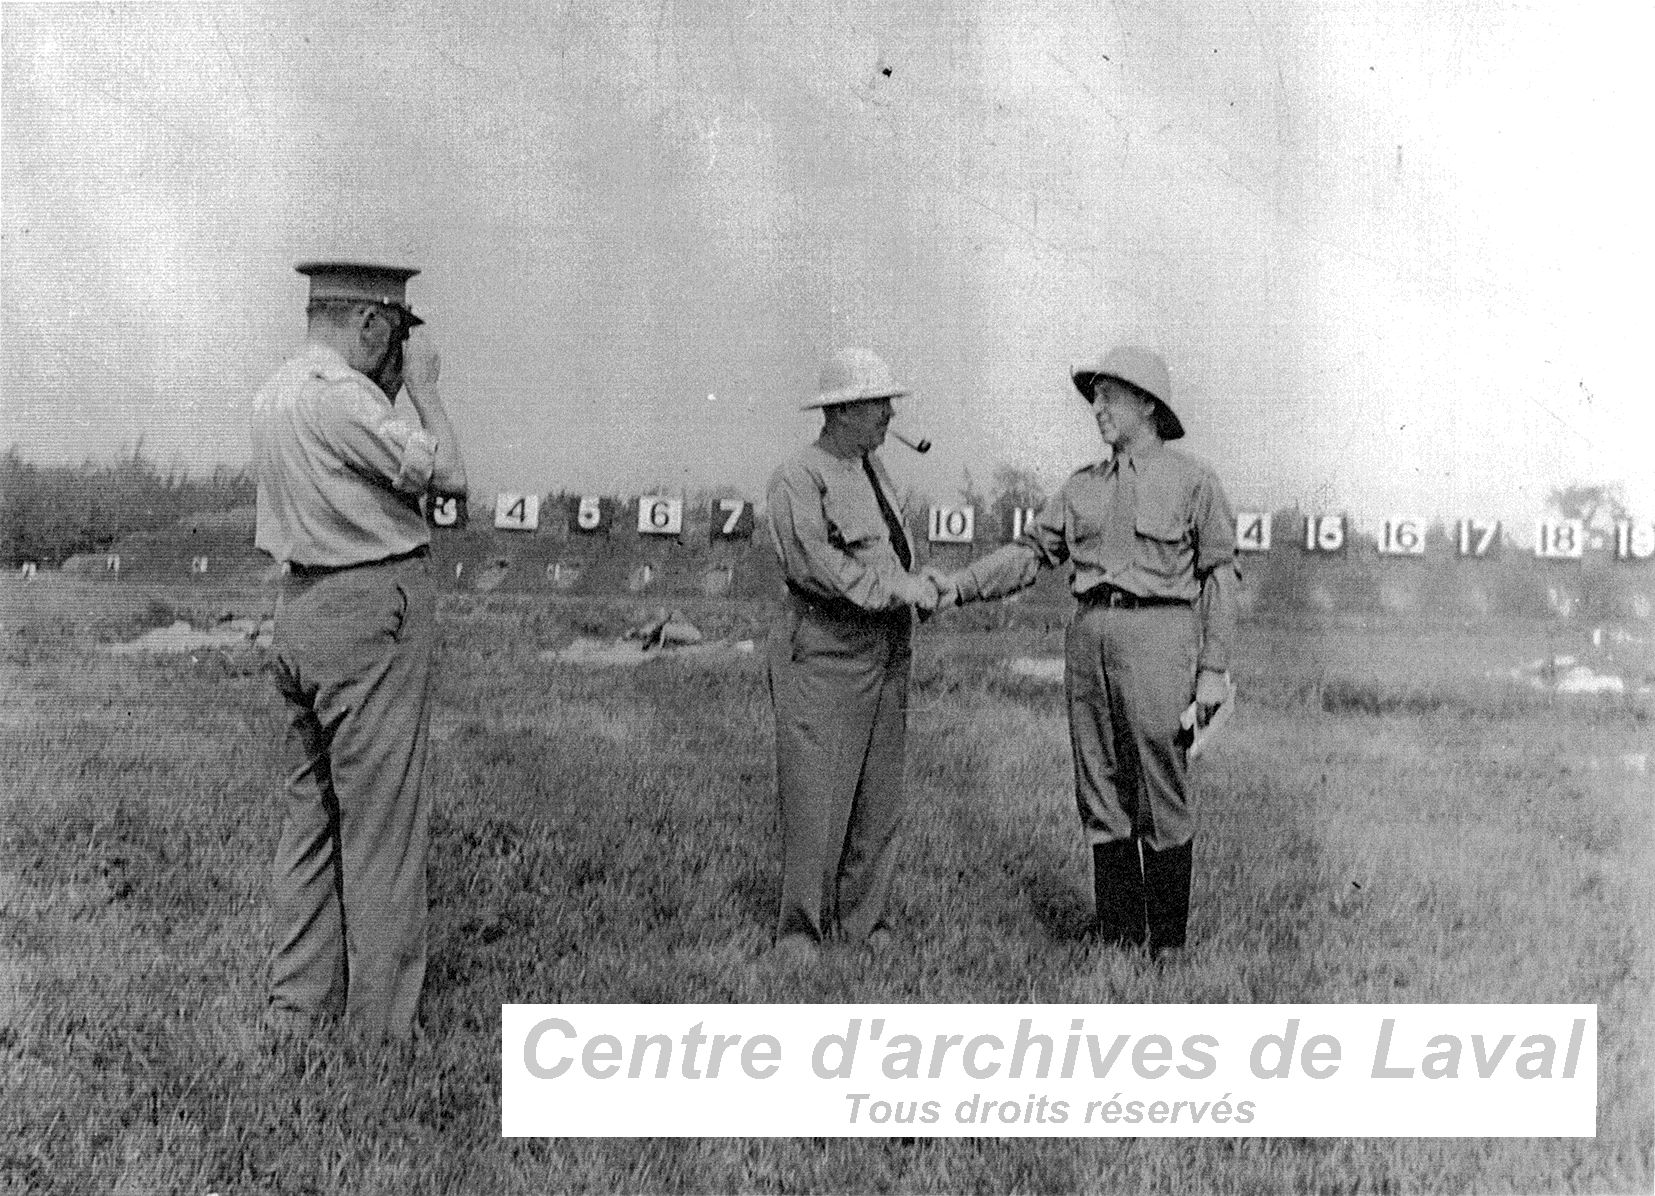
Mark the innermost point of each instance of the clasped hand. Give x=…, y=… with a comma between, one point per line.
x=943, y=591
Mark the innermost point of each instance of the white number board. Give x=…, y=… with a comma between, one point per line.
x=1478, y=537
x=1402, y=535
x=660, y=516
x=445, y=510
x=1253, y=531
x=1634, y=541
x=953, y=525
x=1560, y=539
x=1020, y=521
x=1324, y=533
x=517, y=512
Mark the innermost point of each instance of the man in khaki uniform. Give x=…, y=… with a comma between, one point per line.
x=1151, y=537
x=341, y=477
x=839, y=661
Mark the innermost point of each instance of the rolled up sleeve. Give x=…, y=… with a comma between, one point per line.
x=373, y=440
x=1016, y=565
x=1217, y=572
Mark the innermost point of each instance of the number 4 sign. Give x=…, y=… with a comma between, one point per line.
x=1253, y=531
x=517, y=512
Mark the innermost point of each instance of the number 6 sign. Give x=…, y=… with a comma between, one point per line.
x=660, y=516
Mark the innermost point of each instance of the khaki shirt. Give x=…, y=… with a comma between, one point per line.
x=1156, y=524
x=340, y=474
x=830, y=537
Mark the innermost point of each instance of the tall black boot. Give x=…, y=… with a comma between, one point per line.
x=1167, y=893
x=1118, y=881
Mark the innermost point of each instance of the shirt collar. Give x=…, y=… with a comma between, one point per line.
x=327, y=363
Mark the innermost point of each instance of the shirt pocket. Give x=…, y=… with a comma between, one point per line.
x=853, y=526
x=1163, y=542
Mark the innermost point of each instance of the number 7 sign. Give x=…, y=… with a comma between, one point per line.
x=730, y=519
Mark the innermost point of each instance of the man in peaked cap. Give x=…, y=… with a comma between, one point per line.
x=1151, y=537
x=839, y=661
x=341, y=479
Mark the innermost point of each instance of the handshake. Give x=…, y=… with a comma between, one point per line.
x=939, y=591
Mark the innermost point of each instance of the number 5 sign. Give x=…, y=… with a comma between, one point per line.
x=731, y=519
x=660, y=516
x=589, y=514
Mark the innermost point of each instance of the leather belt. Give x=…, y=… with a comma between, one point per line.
x=840, y=608
x=314, y=572
x=1114, y=596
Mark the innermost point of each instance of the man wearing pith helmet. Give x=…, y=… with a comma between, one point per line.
x=341, y=481
x=839, y=662
x=1151, y=538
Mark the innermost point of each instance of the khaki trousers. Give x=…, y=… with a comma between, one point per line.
x=353, y=655
x=839, y=690
x=1129, y=674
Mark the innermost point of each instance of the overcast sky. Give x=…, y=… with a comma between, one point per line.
x=1396, y=254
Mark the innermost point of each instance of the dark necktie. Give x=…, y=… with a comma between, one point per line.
x=899, y=540
x=1120, y=534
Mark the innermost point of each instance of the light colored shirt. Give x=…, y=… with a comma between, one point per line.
x=829, y=534
x=1155, y=523
x=340, y=474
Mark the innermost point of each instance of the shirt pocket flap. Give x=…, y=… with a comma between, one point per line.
x=852, y=523
x=1161, y=513
x=1169, y=527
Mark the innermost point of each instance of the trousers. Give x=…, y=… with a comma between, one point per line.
x=352, y=660
x=839, y=691
x=1128, y=675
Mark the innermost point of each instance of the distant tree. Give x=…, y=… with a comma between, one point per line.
x=1014, y=486
x=1598, y=505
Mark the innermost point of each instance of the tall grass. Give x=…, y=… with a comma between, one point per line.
x=50, y=512
x=610, y=836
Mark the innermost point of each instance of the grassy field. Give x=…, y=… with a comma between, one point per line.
x=1382, y=822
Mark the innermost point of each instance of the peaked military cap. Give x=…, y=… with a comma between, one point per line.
x=362, y=283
